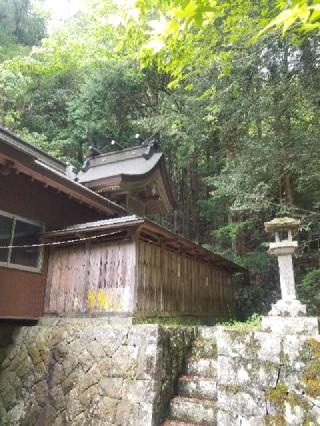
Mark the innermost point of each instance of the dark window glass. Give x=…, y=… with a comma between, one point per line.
x=25, y=234
x=6, y=224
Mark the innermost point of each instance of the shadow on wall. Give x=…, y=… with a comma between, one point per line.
x=7, y=328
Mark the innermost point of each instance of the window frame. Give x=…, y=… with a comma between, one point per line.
x=10, y=265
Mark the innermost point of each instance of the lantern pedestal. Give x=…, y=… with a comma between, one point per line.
x=288, y=308
x=291, y=325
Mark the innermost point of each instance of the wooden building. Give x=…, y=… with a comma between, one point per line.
x=111, y=263
x=133, y=266
x=134, y=177
x=37, y=193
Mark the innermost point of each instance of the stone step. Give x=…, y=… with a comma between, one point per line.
x=193, y=410
x=207, y=332
x=197, y=387
x=206, y=367
x=203, y=348
x=175, y=423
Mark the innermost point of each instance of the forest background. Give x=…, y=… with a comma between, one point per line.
x=229, y=89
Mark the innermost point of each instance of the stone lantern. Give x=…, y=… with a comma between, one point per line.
x=289, y=308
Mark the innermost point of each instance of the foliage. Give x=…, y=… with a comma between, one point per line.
x=22, y=25
x=309, y=291
x=179, y=321
x=303, y=15
x=240, y=132
x=252, y=323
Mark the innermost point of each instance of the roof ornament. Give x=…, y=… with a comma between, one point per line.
x=92, y=152
x=114, y=142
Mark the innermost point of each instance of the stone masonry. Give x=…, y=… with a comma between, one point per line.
x=268, y=379
x=84, y=372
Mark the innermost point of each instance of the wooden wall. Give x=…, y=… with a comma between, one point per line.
x=134, y=277
x=21, y=293
x=91, y=279
x=171, y=283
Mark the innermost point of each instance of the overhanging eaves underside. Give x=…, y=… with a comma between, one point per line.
x=29, y=163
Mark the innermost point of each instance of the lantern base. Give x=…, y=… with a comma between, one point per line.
x=288, y=308
x=307, y=326
x=289, y=317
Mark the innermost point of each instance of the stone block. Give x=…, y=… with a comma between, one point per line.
x=140, y=391
x=123, y=413
x=269, y=346
x=57, y=398
x=105, y=366
x=204, y=348
x=124, y=321
x=207, y=333
x=143, y=335
x=243, y=400
x=197, y=387
x=124, y=362
x=141, y=414
x=148, y=362
x=105, y=410
x=69, y=364
x=111, y=387
x=288, y=308
x=291, y=325
x=206, y=367
x=233, y=419
x=232, y=343
x=74, y=406
x=293, y=345
x=191, y=410
x=243, y=372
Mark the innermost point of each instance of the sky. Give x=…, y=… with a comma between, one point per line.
x=62, y=9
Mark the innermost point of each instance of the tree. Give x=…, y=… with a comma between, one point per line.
x=240, y=130
x=22, y=25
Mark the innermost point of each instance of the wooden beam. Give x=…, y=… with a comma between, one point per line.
x=7, y=167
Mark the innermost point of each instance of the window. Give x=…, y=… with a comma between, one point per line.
x=19, y=232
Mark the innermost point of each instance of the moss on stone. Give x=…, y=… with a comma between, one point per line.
x=311, y=373
x=233, y=388
x=252, y=347
x=278, y=395
x=214, y=347
x=296, y=400
x=277, y=420
x=311, y=420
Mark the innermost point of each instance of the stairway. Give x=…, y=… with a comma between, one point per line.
x=195, y=402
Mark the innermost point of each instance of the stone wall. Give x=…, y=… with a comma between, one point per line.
x=84, y=372
x=268, y=379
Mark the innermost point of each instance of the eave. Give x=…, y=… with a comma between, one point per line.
x=149, y=231
x=126, y=182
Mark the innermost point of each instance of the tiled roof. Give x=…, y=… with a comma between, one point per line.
x=136, y=161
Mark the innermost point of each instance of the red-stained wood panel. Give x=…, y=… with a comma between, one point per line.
x=21, y=294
